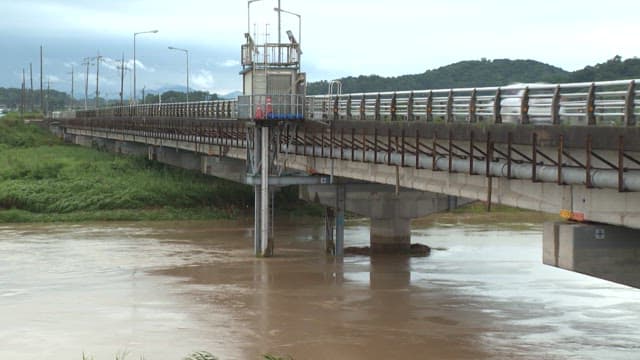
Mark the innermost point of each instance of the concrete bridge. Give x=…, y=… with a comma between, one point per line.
x=569, y=149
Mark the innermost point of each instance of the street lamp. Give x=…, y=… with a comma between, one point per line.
x=186, y=52
x=134, y=60
x=249, y=2
x=299, y=24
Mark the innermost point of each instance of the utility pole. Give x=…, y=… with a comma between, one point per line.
x=46, y=104
x=23, y=95
x=31, y=91
x=122, y=69
x=98, y=59
x=87, y=62
x=41, y=87
x=72, y=98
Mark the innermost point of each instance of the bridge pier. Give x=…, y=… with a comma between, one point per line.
x=389, y=209
x=390, y=235
x=607, y=252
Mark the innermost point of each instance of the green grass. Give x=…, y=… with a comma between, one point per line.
x=15, y=133
x=42, y=179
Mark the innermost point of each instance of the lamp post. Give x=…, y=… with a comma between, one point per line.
x=134, y=60
x=299, y=23
x=249, y=2
x=186, y=52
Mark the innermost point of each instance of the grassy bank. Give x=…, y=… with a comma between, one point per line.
x=42, y=179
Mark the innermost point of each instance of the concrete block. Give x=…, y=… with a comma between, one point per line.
x=607, y=252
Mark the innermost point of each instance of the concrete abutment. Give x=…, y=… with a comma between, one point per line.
x=607, y=252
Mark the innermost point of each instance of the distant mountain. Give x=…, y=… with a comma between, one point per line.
x=613, y=69
x=231, y=95
x=474, y=73
x=168, y=88
x=478, y=73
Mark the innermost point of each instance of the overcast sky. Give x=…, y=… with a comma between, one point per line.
x=339, y=37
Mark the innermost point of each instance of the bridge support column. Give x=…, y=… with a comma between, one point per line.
x=390, y=235
x=390, y=210
x=607, y=252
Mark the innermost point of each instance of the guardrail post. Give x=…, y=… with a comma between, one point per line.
x=410, y=116
x=497, y=107
x=509, y=151
x=324, y=109
x=591, y=105
x=377, y=108
x=349, y=108
x=534, y=157
x=629, y=105
x=588, y=163
x=363, y=114
x=471, y=155
x=555, y=106
x=524, y=107
x=375, y=145
x=336, y=109
x=393, y=109
x=430, y=107
x=472, y=106
x=449, y=117
x=560, y=161
x=621, y=164
x=418, y=153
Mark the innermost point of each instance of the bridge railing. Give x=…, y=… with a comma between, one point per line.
x=598, y=103
x=217, y=109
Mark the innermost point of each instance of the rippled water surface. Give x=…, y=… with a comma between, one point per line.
x=164, y=290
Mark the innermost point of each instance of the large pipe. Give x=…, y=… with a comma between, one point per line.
x=571, y=176
x=600, y=178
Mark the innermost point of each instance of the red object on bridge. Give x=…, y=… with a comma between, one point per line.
x=259, y=113
x=269, y=107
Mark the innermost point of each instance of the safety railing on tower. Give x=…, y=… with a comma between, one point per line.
x=271, y=54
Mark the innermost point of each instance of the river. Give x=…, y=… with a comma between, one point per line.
x=164, y=290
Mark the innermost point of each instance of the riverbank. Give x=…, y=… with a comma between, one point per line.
x=44, y=180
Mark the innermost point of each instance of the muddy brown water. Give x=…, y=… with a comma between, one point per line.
x=164, y=290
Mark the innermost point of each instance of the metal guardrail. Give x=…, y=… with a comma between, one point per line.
x=598, y=103
x=218, y=109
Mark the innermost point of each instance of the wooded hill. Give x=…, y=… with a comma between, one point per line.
x=485, y=73
x=474, y=73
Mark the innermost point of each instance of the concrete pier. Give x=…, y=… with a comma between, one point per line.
x=607, y=252
x=390, y=235
x=390, y=210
